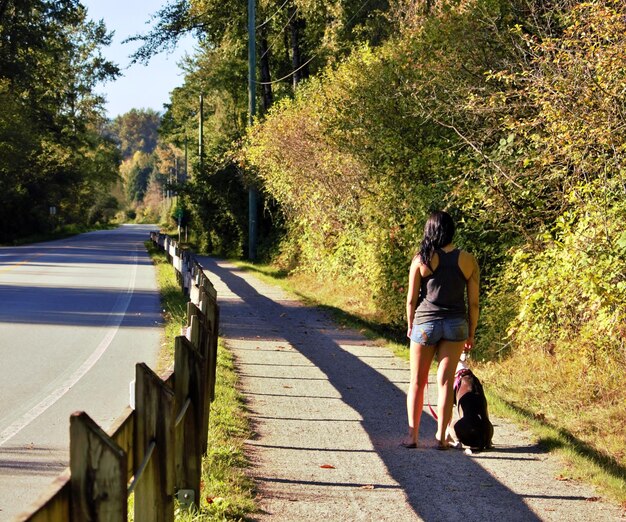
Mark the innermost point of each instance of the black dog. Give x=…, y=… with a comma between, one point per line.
x=473, y=429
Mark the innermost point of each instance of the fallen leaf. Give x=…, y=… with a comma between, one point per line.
x=592, y=499
x=287, y=386
x=561, y=477
x=327, y=466
x=368, y=486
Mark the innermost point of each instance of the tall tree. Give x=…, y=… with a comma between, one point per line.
x=50, y=62
x=137, y=130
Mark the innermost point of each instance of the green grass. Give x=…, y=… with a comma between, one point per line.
x=173, y=305
x=227, y=493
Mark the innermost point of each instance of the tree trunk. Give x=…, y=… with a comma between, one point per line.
x=268, y=97
x=297, y=25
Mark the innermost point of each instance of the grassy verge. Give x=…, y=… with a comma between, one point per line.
x=582, y=458
x=173, y=305
x=226, y=491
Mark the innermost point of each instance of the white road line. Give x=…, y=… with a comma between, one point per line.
x=117, y=316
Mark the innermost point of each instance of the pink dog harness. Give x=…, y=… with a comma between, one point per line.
x=459, y=375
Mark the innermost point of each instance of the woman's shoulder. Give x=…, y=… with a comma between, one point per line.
x=418, y=265
x=464, y=254
x=467, y=262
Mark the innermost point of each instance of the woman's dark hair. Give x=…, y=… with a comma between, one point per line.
x=438, y=232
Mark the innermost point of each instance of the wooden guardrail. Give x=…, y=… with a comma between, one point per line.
x=155, y=449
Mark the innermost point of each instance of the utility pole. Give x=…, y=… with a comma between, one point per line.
x=200, y=132
x=252, y=192
x=186, y=159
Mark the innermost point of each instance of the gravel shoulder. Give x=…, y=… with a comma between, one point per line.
x=328, y=411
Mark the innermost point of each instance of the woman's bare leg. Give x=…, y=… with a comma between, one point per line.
x=421, y=359
x=449, y=353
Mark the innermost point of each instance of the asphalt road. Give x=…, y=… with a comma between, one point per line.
x=76, y=315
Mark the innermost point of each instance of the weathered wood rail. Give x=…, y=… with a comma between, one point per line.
x=155, y=449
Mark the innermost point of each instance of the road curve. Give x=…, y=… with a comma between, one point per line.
x=76, y=315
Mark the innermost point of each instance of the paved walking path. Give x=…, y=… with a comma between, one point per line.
x=328, y=411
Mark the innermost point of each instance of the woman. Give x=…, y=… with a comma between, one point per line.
x=438, y=321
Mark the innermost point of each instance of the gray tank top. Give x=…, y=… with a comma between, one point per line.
x=442, y=293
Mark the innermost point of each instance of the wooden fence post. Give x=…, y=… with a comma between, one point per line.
x=154, y=434
x=188, y=389
x=211, y=312
x=98, y=473
x=199, y=336
x=197, y=327
x=212, y=362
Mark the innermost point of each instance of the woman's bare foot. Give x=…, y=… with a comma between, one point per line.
x=445, y=444
x=449, y=438
x=408, y=442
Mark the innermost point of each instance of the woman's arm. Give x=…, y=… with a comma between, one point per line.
x=472, y=302
x=412, y=295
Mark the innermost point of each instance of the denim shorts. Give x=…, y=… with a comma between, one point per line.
x=453, y=329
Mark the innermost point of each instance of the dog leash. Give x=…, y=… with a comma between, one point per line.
x=457, y=379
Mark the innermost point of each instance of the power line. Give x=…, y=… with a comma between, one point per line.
x=358, y=11
x=290, y=74
x=295, y=12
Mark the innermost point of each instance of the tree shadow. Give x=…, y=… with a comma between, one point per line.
x=464, y=489
x=78, y=307
x=18, y=460
x=564, y=438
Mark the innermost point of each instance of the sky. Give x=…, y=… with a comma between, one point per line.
x=139, y=86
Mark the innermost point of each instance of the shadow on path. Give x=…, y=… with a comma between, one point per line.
x=463, y=489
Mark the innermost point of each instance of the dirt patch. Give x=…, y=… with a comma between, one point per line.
x=328, y=409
